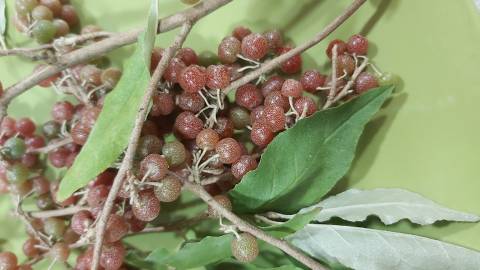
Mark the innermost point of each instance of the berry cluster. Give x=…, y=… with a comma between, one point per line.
x=193, y=132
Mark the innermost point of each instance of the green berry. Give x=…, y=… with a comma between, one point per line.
x=14, y=148
x=240, y=117
x=169, y=190
x=174, y=152
x=23, y=7
x=55, y=227
x=44, y=31
x=388, y=78
x=17, y=173
x=245, y=248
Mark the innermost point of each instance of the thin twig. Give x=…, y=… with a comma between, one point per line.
x=93, y=50
x=52, y=146
x=178, y=226
x=333, y=80
x=247, y=227
x=272, y=64
x=57, y=212
x=133, y=142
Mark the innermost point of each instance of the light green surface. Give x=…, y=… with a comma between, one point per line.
x=426, y=140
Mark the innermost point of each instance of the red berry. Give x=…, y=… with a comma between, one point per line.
x=257, y=114
x=345, y=64
x=41, y=185
x=228, y=150
x=63, y=111
x=274, y=117
x=341, y=47
x=243, y=166
x=193, y=78
x=29, y=160
x=274, y=83
x=240, y=32
x=364, y=82
x=25, y=126
x=207, y=139
x=248, y=96
x=293, y=64
x=146, y=206
x=261, y=134
x=34, y=142
x=112, y=255
x=48, y=81
x=69, y=14
x=224, y=201
x=277, y=99
x=80, y=133
x=29, y=248
x=305, y=104
x=97, y=195
x=254, y=46
x=8, y=261
x=312, y=79
x=116, y=229
x=188, y=125
x=218, y=76
x=134, y=224
x=157, y=54
x=192, y=102
x=274, y=38
x=292, y=88
x=162, y=104
x=60, y=252
x=188, y=56
x=173, y=70
x=58, y=157
x=228, y=49
x=8, y=127
x=357, y=44
x=155, y=165
x=81, y=221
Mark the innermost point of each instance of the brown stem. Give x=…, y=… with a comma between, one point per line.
x=52, y=146
x=247, y=227
x=272, y=64
x=91, y=51
x=133, y=142
x=57, y=212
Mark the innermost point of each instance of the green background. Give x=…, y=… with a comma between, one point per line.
x=426, y=138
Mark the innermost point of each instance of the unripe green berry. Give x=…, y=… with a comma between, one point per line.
x=169, y=190
x=44, y=31
x=388, y=78
x=55, y=227
x=14, y=148
x=245, y=248
x=174, y=152
x=17, y=173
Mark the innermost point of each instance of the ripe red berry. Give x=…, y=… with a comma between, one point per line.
x=293, y=64
x=40, y=185
x=341, y=47
x=8, y=261
x=155, y=166
x=63, y=111
x=240, y=32
x=157, y=54
x=305, y=104
x=312, y=79
x=188, y=125
x=173, y=70
x=207, y=139
x=60, y=252
x=254, y=46
x=357, y=44
x=81, y=221
x=364, y=82
x=29, y=248
x=276, y=98
x=135, y=225
x=274, y=117
x=8, y=127
x=228, y=49
x=162, y=104
x=69, y=14
x=58, y=157
x=292, y=88
x=248, y=96
x=25, y=126
x=97, y=195
x=257, y=114
x=80, y=133
x=188, y=56
x=112, y=255
x=245, y=248
x=273, y=83
x=116, y=229
x=218, y=76
x=146, y=206
x=228, y=150
x=192, y=102
x=345, y=64
x=193, y=78
x=243, y=166
x=261, y=134
x=274, y=38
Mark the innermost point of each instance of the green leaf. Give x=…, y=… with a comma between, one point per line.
x=297, y=222
x=111, y=132
x=234, y=264
x=390, y=205
x=151, y=31
x=134, y=259
x=303, y=163
x=209, y=250
x=3, y=22
x=368, y=249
